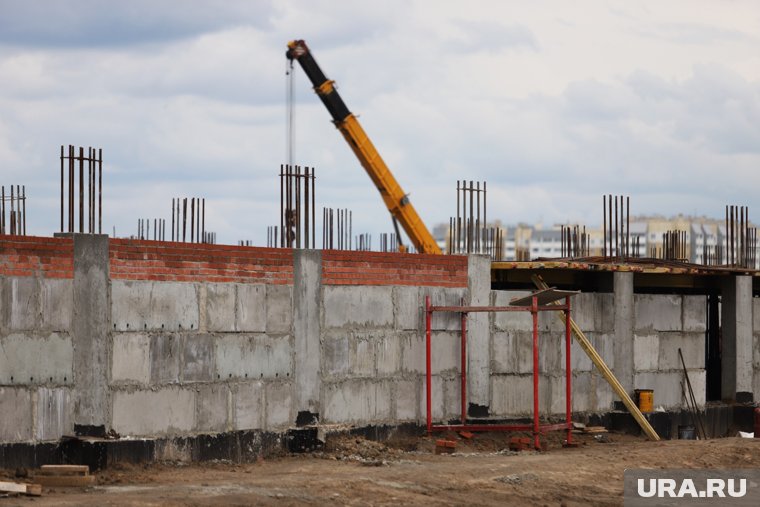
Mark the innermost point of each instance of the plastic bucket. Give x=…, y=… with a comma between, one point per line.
x=687, y=433
x=645, y=399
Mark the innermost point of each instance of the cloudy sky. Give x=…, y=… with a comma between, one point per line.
x=553, y=103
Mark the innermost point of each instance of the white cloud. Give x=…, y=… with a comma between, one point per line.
x=553, y=104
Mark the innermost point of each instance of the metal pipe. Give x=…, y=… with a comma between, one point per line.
x=61, y=188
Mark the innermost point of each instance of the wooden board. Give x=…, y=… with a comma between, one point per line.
x=18, y=487
x=63, y=481
x=64, y=470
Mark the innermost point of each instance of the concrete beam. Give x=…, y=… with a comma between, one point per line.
x=90, y=330
x=624, y=324
x=478, y=336
x=736, y=361
x=307, y=299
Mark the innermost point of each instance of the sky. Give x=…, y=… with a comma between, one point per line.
x=552, y=103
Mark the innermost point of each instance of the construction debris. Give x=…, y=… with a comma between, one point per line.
x=63, y=476
x=443, y=446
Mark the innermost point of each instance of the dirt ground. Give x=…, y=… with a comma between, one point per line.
x=354, y=471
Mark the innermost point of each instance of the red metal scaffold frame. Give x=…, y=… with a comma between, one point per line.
x=534, y=308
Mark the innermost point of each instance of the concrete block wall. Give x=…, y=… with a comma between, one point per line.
x=36, y=345
x=372, y=336
x=205, y=357
x=663, y=325
x=660, y=324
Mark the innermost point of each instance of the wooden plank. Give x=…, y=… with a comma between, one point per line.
x=12, y=487
x=34, y=489
x=64, y=470
x=63, y=481
x=604, y=369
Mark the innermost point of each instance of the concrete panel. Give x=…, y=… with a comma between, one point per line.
x=444, y=321
x=154, y=306
x=131, y=358
x=357, y=401
x=553, y=395
x=604, y=345
x=692, y=347
x=412, y=352
x=220, y=307
x=387, y=354
x=36, y=360
x=252, y=308
x=279, y=405
x=165, y=358
x=244, y=356
x=211, y=408
x=446, y=352
x=349, y=306
x=737, y=322
x=512, y=395
x=756, y=315
x=198, y=358
x=756, y=354
x=452, y=404
x=667, y=387
x=336, y=353
x=20, y=304
x=551, y=353
x=56, y=304
x=249, y=406
x=579, y=360
x=16, y=418
x=593, y=311
x=406, y=400
x=307, y=328
x=408, y=308
x=694, y=314
x=646, y=350
x=583, y=392
x=164, y=411
x=657, y=312
x=604, y=396
x=437, y=396
x=511, y=321
x=362, y=355
x=279, y=304
x=54, y=414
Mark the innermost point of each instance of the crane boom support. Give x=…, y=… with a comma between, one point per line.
x=393, y=195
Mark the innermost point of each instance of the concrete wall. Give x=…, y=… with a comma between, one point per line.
x=153, y=338
x=658, y=324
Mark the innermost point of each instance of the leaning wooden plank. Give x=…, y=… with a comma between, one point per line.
x=603, y=369
x=62, y=481
x=64, y=470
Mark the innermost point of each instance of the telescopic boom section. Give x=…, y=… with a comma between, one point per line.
x=395, y=200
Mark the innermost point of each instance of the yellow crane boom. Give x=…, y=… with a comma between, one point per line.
x=393, y=195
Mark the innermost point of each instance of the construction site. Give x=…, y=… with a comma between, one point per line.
x=167, y=368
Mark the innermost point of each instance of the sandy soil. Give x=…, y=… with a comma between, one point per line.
x=354, y=471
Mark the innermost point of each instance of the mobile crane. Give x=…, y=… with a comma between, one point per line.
x=395, y=199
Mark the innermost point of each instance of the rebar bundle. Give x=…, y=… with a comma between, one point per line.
x=741, y=239
x=16, y=208
x=617, y=233
x=469, y=231
x=575, y=241
x=297, y=211
x=94, y=163
x=336, y=229
x=197, y=215
x=159, y=229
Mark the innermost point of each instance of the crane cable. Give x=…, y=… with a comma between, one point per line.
x=290, y=112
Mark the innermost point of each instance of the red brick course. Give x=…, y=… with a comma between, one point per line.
x=36, y=256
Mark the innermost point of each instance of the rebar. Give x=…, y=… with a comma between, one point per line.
x=297, y=207
x=94, y=163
